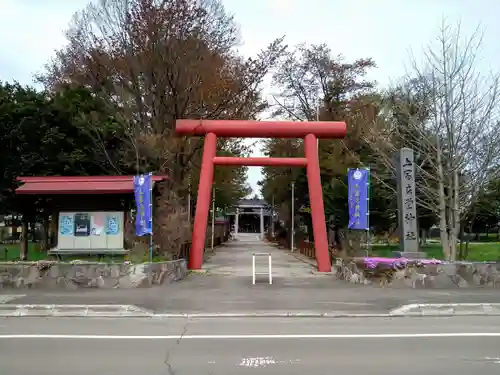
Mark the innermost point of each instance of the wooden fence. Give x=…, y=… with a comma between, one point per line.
x=306, y=248
x=221, y=235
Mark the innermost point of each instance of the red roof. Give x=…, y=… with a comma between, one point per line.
x=55, y=185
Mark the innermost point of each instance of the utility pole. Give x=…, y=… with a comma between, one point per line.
x=213, y=217
x=189, y=189
x=317, y=119
x=272, y=218
x=189, y=204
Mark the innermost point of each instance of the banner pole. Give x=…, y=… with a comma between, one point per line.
x=213, y=218
x=368, y=237
x=189, y=206
x=151, y=216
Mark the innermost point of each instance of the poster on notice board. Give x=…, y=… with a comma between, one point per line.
x=82, y=225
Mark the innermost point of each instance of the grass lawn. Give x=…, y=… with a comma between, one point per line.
x=483, y=237
x=11, y=252
x=478, y=252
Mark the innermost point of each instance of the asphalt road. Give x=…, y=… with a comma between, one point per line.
x=61, y=346
x=214, y=294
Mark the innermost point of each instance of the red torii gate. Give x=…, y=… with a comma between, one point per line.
x=309, y=131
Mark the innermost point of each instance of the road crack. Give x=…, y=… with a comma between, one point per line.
x=170, y=369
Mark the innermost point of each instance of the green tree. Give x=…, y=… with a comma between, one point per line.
x=66, y=133
x=21, y=122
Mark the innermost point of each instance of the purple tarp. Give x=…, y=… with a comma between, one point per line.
x=397, y=262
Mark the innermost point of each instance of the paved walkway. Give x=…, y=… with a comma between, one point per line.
x=234, y=258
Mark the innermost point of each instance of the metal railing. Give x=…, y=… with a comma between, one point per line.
x=270, y=267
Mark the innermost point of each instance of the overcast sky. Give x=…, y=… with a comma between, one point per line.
x=385, y=30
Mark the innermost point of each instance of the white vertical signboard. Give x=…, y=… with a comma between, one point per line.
x=407, y=201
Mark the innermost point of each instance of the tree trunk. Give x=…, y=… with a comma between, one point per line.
x=24, y=239
x=442, y=206
x=449, y=222
x=461, y=252
x=423, y=236
x=455, y=217
x=352, y=246
x=32, y=231
x=338, y=238
x=45, y=233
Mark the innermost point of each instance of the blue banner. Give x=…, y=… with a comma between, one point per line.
x=358, y=186
x=144, y=216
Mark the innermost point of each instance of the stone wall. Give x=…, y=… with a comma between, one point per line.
x=74, y=275
x=413, y=275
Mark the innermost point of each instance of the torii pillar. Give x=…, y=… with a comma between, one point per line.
x=309, y=131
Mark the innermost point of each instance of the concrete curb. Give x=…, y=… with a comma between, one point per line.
x=448, y=309
x=268, y=315
x=132, y=311
x=114, y=311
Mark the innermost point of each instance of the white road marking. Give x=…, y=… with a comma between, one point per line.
x=254, y=362
x=4, y=298
x=440, y=306
x=495, y=360
x=346, y=303
x=255, y=337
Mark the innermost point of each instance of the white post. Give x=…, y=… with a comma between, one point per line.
x=262, y=224
x=253, y=269
x=236, y=221
x=293, y=217
x=270, y=270
x=213, y=217
x=270, y=267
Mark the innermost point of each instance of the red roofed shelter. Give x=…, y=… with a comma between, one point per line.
x=88, y=213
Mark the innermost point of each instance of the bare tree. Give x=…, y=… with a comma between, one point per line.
x=312, y=83
x=448, y=112
x=159, y=60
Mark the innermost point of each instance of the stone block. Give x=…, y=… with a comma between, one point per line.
x=106, y=282
x=414, y=275
x=76, y=275
x=449, y=269
x=133, y=281
x=409, y=254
